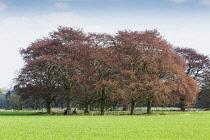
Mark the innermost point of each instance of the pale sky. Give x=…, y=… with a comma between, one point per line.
x=184, y=23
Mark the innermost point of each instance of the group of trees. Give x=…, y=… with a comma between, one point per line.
x=10, y=100
x=71, y=66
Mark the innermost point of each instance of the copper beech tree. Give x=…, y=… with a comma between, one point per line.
x=60, y=50
x=150, y=69
x=133, y=66
x=38, y=79
x=197, y=67
x=94, y=69
x=197, y=64
x=39, y=75
x=105, y=68
x=69, y=63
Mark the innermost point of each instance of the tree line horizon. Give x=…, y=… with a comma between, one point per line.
x=130, y=67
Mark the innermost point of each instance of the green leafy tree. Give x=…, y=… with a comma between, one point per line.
x=2, y=100
x=15, y=102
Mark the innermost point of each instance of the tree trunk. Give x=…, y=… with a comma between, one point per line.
x=87, y=108
x=40, y=105
x=49, y=107
x=149, y=106
x=35, y=105
x=102, y=107
x=115, y=106
x=125, y=108
x=182, y=104
x=133, y=104
x=103, y=102
x=22, y=107
x=68, y=104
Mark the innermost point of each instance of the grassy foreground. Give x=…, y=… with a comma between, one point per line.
x=188, y=125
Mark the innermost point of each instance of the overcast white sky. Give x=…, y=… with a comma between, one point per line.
x=184, y=23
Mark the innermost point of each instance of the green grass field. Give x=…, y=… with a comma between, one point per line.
x=178, y=125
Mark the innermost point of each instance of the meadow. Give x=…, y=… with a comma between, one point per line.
x=172, y=125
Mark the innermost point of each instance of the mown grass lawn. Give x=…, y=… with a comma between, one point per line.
x=188, y=125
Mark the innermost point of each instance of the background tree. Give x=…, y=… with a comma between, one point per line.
x=3, y=91
x=2, y=100
x=15, y=102
x=197, y=64
x=7, y=100
x=203, y=99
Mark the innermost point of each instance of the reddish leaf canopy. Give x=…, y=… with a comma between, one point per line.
x=150, y=66
x=197, y=64
x=141, y=64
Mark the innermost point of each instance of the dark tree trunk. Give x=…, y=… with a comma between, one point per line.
x=40, y=105
x=102, y=107
x=133, y=104
x=49, y=107
x=87, y=108
x=125, y=108
x=103, y=102
x=68, y=105
x=149, y=106
x=35, y=105
x=22, y=107
x=182, y=102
